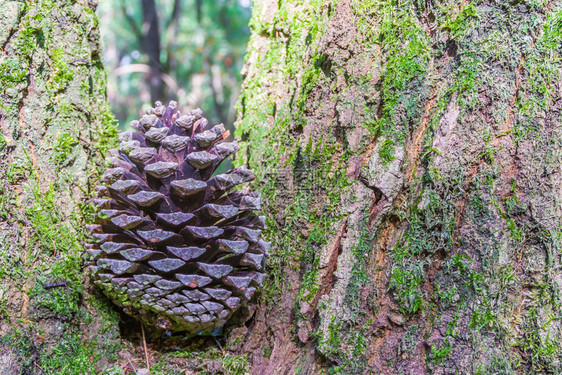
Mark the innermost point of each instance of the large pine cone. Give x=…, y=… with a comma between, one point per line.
x=173, y=246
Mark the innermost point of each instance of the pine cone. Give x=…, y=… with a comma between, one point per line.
x=173, y=246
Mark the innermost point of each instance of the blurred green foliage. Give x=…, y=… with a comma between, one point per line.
x=201, y=52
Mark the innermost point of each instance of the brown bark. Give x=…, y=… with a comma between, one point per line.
x=409, y=161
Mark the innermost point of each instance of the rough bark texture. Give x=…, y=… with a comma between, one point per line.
x=409, y=157
x=55, y=127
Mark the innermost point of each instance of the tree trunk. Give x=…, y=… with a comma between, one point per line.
x=198, y=10
x=408, y=154
x=151, y=45
x=56, y=126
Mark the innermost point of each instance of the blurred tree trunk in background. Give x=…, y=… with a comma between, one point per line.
x=55, y=127
x=151, y=46
x=173, y=29
x=198, y=5
x=197, y=57
x=409, y=156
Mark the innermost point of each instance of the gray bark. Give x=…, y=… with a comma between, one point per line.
x=55, y=126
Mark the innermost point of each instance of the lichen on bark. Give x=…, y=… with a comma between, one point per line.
x=56, y=126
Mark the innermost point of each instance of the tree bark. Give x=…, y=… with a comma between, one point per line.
x=408, y=154
x=56, y=126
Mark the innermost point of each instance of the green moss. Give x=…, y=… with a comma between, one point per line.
x=387, y=151
x=235, y=365
x=63, y=147
x=220, y=363
x=309, y=257
x=359, y=272
x=467, y=77
x=106, y=138
x=543, y=350
x=305, y=27
x=69, y=357
x=539, y=70
x=440, y=353
x=430, y=227
x=345, y=345
x=55, y=236
x=61, y=74
x=462, y=22
x=406, y=281
x=22, y=344
x=331, y=344
x=407, y=50
x=31, y=35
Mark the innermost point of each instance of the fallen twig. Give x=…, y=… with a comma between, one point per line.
x=145, y=349
x=220, y=347
x=55, y=285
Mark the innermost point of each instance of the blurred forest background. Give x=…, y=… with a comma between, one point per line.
x=191, y=51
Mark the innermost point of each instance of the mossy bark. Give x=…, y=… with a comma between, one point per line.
x=409, y=155
x=56, y=126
